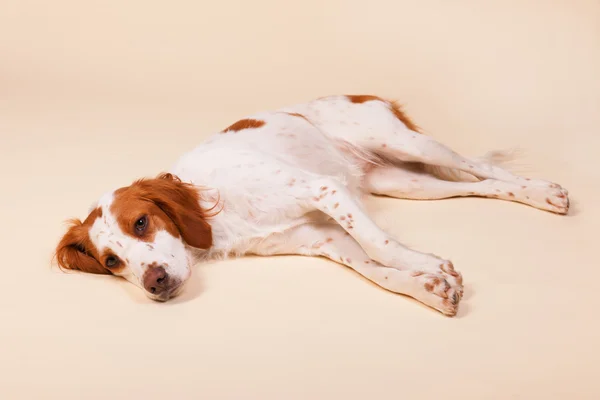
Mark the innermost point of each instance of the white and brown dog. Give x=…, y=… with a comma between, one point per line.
x=291, y=182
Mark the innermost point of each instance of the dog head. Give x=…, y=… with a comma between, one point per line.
x=142, y=233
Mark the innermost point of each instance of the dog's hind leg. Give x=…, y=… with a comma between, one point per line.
x=413, y=182
x=380, y=127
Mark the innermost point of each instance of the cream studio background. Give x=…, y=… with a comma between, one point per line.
x=96, y=94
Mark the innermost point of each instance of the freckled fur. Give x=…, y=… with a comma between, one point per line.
x=292, y=182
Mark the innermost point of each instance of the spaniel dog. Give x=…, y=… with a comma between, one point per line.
x=291, y=181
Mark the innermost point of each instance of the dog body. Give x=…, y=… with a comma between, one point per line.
x=291, y=182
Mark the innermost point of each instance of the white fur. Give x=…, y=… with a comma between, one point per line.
x=165, y=250
x=294, y=186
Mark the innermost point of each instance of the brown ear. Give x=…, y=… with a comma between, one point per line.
x=180, y=201
x=74, y=251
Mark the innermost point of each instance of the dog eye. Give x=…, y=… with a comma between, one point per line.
x=111, y=261
x=140, y=224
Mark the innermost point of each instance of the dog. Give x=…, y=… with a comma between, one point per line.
x=292, y=182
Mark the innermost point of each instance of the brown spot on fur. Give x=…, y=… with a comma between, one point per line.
x=429, y=287
x=362, y=98
x=384, y=145
x=401, y=115
x=343, y=217
x=393, y=105
x=333, y=191
x=444, y=293
x=329, y=240
x=449, y=269
x=247, y=123
x=511, y=194
x=387, y=242
x=293, y=114
x=367, y=262
x=323, y=188
x=336, y=205
x=417, y=273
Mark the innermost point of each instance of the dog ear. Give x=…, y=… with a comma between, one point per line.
x=181, y=202
x=74, y=251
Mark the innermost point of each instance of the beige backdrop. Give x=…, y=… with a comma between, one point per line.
x=94, y=94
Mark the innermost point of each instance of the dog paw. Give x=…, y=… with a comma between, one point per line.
x=555, y=200
x=558, y=201
x=442, y=290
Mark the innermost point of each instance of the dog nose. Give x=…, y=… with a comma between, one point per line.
x=156, y=280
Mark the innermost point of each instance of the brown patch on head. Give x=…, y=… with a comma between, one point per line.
x=394, y=107
x=246, y=123
x=75, y=251
x=167, y=204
